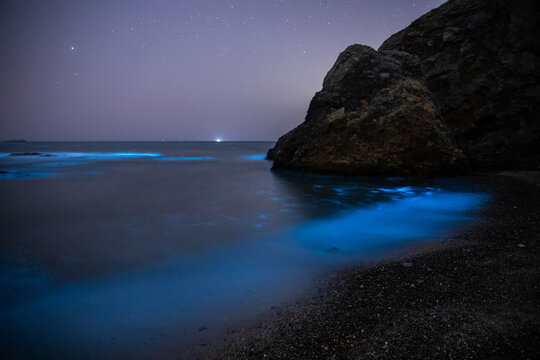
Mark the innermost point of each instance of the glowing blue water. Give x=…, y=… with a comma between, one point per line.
x=256, y=156
x=187, y=158
x=20, y=166
x=107, y=253
x=414, y=217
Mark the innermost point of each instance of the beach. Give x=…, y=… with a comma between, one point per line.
x=123, y=250
x=286, y=265
x=475, y=295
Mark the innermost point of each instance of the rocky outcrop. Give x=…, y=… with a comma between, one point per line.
x=374, y=115
x=481, y=60
x=464, y=76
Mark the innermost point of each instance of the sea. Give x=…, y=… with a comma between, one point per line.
x=143, y=250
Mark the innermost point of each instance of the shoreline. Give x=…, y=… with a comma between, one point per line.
x=473, y=295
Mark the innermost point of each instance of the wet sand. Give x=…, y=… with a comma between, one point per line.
x=476, y=295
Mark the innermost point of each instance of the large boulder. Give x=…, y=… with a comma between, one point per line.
x=463, y=76
x=373, y=116
x=481, y=60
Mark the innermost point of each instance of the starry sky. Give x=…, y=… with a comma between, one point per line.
x=176, y=70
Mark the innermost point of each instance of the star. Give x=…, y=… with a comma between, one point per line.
x=72, y=47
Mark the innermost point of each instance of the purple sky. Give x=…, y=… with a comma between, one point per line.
x=176, y=70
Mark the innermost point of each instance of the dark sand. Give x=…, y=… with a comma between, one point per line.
x=474, y=296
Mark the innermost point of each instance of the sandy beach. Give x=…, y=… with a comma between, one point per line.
x=473, y=296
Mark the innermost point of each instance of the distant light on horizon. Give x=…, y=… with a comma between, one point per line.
x=218, y=139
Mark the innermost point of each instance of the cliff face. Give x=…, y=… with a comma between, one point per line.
x=464, y=76
x=374, y=115
x=481, y=60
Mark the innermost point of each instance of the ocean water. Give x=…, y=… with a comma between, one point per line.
x=152, y=249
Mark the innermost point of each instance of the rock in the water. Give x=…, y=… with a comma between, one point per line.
x=373, y=116
x=481, y=59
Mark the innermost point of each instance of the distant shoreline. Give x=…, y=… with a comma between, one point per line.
x=474, y=295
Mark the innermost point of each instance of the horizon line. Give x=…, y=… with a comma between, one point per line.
x=221, y=141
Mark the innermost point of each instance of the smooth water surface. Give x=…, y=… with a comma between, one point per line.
x=144, y=250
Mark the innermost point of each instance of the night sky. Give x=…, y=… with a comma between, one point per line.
x=176, y=70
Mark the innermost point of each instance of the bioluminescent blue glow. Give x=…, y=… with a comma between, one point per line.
x=34, y=165
x=30, y=174
x=90, y=156
x=113, y=254
x=187, y=158
x=119, y=312
x=20, y=279
x=255, y=157
x=106, y=156
x=415, y=217
x=400, y=190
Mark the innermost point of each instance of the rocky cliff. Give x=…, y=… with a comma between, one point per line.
x=374, y=116
x=457, y=90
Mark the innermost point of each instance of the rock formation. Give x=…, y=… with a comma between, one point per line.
x=464, y=76
x=374, y=115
